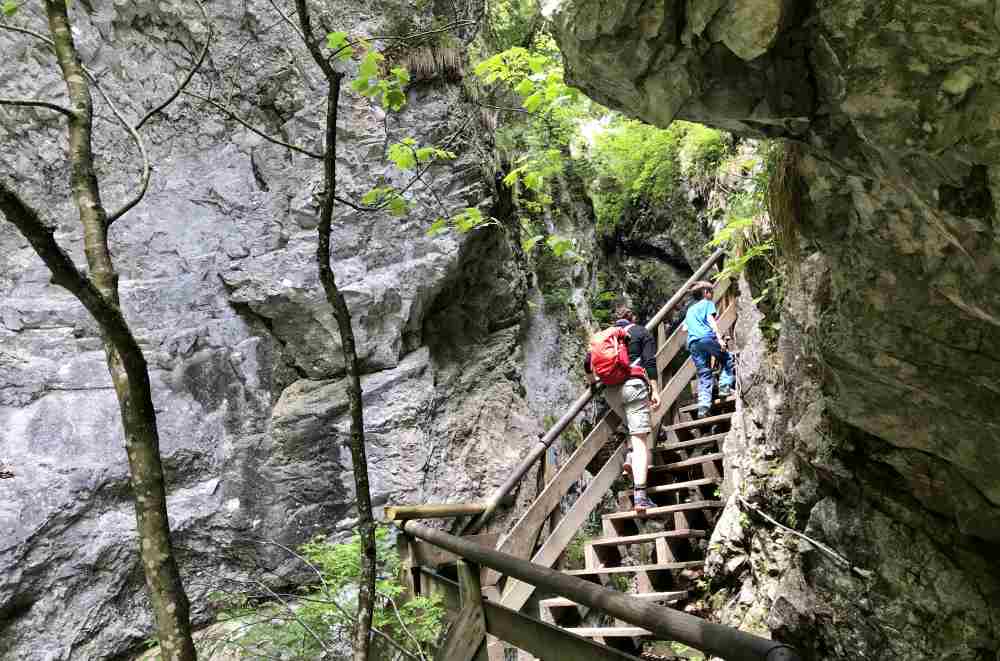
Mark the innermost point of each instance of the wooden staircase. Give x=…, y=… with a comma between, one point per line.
x=656, y=556
x=661, y=551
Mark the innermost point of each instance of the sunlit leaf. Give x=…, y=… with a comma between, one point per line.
x=439, y=226
x=9, y=8
x=338, y=43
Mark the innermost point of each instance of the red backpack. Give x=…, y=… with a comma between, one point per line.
x=609, y=355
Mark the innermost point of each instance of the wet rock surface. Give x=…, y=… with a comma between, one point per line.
x=874, y=422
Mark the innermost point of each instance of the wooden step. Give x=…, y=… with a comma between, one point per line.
x=688, y=463
x=679, y=486
x=704, y=440
x=691, y=408
x=609, y=632
x=666, y=566
x=703, y=422
x=668, y=509
x=656, y=597
x=648, y=537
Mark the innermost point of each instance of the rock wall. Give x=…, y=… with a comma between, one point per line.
x=873, y=426
x=219, y=283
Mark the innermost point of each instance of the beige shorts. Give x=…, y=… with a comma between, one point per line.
x=630, y=401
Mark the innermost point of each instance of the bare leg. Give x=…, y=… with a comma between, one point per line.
x=640, y=458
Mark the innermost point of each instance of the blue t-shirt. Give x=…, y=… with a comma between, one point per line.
x=696, y=320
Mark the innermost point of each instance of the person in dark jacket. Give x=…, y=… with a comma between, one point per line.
x=634, y=399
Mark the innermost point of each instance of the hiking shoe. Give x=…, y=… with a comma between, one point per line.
x=725, y=392
x=627, y=467
x=702, y=412
x=643, y=503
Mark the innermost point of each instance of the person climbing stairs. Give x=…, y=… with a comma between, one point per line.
x=661, y=551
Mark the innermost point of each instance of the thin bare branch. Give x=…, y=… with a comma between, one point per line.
x=290, y=22
x=397, y=37
x=32, y=33
x=232, y=115
x=292, y=612
x=35, y=103
x=190, y=74
x=137, y=139
x=402, y=624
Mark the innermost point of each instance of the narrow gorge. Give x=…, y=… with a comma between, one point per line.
x=844, y=153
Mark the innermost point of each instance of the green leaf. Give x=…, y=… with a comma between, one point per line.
x=360, y=85
x=525, y=88
x=533, y=181
x=9, y=8
x=371, y=197
x=369, y=65
x=534, y=102
x=559, y=245
x=401, y=74
x=394, y=99
x=398, y=206
x=529, y=244
x=439, y=226
x=337, y=42
x=401, y=154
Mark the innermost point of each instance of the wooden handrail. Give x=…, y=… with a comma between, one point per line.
x=553, y=433
x=667, y=623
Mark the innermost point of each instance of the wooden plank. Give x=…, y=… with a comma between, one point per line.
x=609, y=632
x=516, y=593
x=665, y=566
x=688, y=463
x=690, y=484
x=701, y=422
x=521, y=538
x=467, y=635
x=647, y=537
x=691, y=408
x=668, y=509
x=545, y=641
x=432, y=511
x=681, y=445
x=658, y=597
x=428, y=555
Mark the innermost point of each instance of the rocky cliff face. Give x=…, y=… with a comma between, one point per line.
x=219, y=283
x=873, y=427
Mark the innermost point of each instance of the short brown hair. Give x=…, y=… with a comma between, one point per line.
x=623, y=312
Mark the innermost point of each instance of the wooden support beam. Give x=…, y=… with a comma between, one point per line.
x=432, y=511
x=516, y=593
x=667, y=623
x=467, y=636
x=428, y=555
x=545, y=641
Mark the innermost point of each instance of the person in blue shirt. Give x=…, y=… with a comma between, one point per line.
x=704, y=341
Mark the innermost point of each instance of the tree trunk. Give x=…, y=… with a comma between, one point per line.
x=126, y=362
x=366, y=522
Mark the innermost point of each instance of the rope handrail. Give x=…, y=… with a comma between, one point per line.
x=670, y=624
x=560, y=425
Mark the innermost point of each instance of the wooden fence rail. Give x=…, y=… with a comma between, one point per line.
x=667, y=623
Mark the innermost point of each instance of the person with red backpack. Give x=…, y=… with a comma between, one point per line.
x=623, y=358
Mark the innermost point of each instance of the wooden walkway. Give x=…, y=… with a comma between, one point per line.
x=655, y=558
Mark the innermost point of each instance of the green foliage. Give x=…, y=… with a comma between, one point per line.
x=702, y=148
x=388, y=91
x=511, y=22
x=328, y=610
x=338, y=43
x=9, y=8
x=408, y=154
